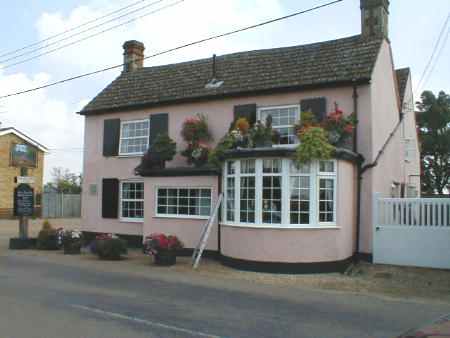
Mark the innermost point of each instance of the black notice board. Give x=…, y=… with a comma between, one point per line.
x=23, y=200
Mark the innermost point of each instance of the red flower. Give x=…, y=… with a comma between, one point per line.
x=349, y=128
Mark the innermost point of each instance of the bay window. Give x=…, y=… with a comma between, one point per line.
x=278, y=192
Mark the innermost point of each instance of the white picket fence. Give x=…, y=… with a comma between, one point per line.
x=412, y=231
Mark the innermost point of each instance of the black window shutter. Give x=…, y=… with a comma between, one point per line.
x=318, y=106
x=111, y=137
x=247, y=110
x=159, y=124
x=110, y=198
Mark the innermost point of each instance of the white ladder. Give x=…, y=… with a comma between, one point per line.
x=198, y=251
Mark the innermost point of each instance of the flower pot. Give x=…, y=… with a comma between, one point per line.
x=166, y=258
x=72, y=249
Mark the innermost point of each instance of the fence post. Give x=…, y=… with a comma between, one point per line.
x=375, y=221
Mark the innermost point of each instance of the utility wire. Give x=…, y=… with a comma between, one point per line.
x=79, y=33
x=72, y=29
x=264, y=23
x=93, y=35
x=433, y=53
x=444, y=44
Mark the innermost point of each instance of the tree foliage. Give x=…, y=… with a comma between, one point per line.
x=64, y=181
x=433, y=121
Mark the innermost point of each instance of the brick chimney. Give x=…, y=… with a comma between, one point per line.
x=375, y=19
x=133, y=55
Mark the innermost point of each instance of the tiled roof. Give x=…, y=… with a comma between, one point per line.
x=325, y=63
x=402, y=79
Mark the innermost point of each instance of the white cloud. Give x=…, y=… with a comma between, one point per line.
x=48, y=120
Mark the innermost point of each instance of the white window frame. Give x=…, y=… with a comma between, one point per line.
x=129, y=219
x=122, y=123
x=182, y=216
x=329, y=176
x=263, y=108
x=315, y=176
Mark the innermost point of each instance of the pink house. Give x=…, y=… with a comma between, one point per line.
x=276, y=216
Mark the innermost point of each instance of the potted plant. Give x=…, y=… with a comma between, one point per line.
x=339, y=127
x=109, y=247
x=72, y=242
x=195, y=129
x=47, y=237
x=314, y=145
x=197, y=154
x=163, y=248
x=162, y=150
x=261, y=134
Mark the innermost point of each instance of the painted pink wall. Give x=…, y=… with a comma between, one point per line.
x=188, y=230
x=219, y=114
x=300, y=245
x=384, y=109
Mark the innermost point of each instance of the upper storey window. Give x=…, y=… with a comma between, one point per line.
x=284, y=119
x=134, y=137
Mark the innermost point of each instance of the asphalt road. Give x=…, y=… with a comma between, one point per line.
x=45, y=299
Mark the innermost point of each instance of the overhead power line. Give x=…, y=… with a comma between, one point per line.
x=444, y=44
x=80, y=33
x=93, y=35
x=72, y=29
x=435, y=48
x=264, y=23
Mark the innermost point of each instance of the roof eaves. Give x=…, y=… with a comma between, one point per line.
x=212, y=97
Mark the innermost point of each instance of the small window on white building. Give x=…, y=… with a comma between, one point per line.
x=132, y=201
x=283, y=121
x=184, y=202
x=134, y=137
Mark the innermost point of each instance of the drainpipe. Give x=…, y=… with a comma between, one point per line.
x=219, y=217
x=358, y=181
x=361, y=170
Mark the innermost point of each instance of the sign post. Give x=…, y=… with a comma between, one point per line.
x=23, y=207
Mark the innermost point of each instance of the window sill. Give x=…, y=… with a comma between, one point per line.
x=129, y=155
x=280, y=227
x=203, y=218
x=131, y=220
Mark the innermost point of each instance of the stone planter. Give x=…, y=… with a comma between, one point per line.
x=72, y=249
x=166, y=258
x=21, y=243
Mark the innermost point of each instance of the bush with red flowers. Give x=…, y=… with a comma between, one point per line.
x=196, y=134
x=339, y=127
x=109, y=246
x=164, y=248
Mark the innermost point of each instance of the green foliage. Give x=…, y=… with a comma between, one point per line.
x=195, y=129
x=164, y=147
x=111, y=249
x=64, y=181
x=433, y=121
x=313, y=145
x=217, y=155
x=261, y=134
x=47, y=237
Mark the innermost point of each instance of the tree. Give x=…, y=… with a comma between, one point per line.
x=433, y=121
x=64, y=181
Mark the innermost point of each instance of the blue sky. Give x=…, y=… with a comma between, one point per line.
x=49, y=116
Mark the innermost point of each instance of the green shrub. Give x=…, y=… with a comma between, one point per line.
x=314, y=145
x=47, y=237
x=111, y=249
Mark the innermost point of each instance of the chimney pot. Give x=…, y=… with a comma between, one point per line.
x=133, y=55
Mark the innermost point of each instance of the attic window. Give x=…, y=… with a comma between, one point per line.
x=214, y=84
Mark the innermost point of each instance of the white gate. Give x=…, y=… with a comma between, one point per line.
x=412, y=231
